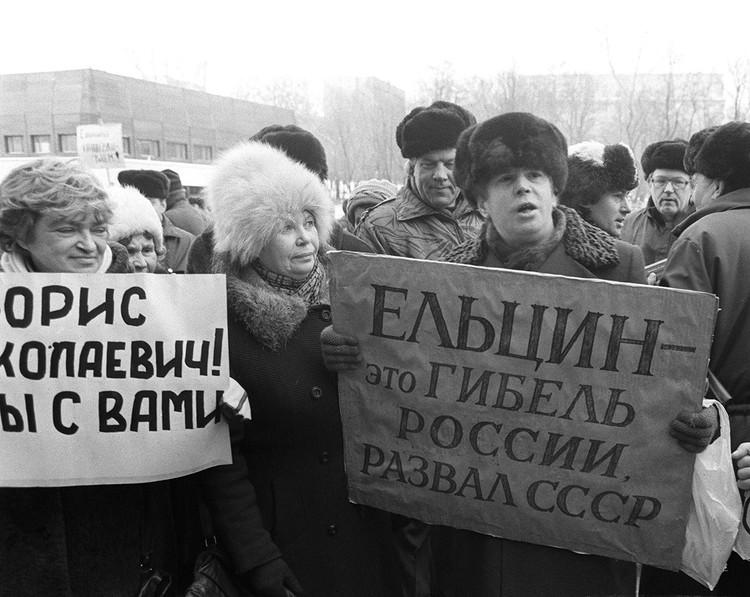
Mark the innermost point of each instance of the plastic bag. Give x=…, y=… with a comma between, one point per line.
x=716, y=510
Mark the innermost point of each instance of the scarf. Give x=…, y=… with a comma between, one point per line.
x=17, y=263
x=527, y=258
x=307, y=289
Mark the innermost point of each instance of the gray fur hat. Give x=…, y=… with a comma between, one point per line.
x=254, y=189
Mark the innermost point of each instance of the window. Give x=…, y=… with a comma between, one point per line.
x=40, y=144
x=67, y=143
x=13, y=144
x=126, y=146
x=148, y=148
x=176, y=151
x=203, y=153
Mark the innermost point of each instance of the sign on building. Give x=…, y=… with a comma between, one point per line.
x=100, y=145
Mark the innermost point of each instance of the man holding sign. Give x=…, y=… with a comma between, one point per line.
x=513, y=167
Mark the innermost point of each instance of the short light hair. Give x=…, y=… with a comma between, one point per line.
x=63, y=188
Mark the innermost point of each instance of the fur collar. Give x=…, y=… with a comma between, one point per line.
x=588, y=245
x=269, y=316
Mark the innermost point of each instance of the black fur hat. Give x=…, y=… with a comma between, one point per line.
x=512, y=140
x=299, y=144
x=430, y=128
x=151, y=183
x=694, y=146
x=726, y=156
x=664, y=154
x=595, y=169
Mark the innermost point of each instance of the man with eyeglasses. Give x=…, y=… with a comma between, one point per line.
x=669, y=202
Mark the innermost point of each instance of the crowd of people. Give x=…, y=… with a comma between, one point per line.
x=504, y=193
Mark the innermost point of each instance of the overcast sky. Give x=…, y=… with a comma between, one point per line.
x=398, y=41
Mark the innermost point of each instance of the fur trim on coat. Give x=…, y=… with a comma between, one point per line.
x=588, y=245
x=254, y=190
x=270, y=316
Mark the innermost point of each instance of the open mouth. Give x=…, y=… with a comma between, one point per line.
x=526, y=207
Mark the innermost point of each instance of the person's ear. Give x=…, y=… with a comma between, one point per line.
x=719, y=189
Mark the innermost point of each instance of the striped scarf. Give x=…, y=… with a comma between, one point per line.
x=308, y=289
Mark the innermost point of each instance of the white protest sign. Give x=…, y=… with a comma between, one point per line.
x=111, y=378
x=100, y=145
x=527, y=406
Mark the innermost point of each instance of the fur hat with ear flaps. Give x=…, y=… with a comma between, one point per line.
x=595, y=169
x=432, y=128
x=725, y=156
x=694, y=146
x=511, y=140
x=255, y=188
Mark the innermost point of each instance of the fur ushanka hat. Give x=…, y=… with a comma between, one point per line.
x=726, y=156
x=133, y=214
x=252, y=192
x=595, y=169
x=151, y=183
x=668, y=155
x=298, y=144
x=694, y=146
x=431, y=128
x=511, y=140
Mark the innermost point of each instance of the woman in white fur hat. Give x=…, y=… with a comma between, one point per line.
x=136, y=226
x=281, y=509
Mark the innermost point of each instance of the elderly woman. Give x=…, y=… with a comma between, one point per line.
x=599, y=180
x=281, y=508
x=85, y=540
x=136, y=226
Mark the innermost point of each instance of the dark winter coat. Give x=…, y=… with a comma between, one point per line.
x=89, y=540
x=406, y=226
x=285, y=494
x=177, y=241
x=468, y=563
x=712, y=254
x=647, y=229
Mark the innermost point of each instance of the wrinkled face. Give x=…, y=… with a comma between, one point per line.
x=142, y=254
x=609, y=212
x=705, y=190
x=670, y=190
x=520, y=202
x=67, y=245
x=433, y=174
x=292, y=251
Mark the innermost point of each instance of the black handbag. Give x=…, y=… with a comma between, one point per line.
x=213, y=575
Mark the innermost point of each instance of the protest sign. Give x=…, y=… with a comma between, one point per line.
x=100, y=145
x=526, y=406
x=111, y=378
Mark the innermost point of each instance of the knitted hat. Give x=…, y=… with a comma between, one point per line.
x=512, y=140
x=298, y=144
x=369, y=193
x=253, y=191
x=694, y=146
x=668, y=155
x=431, y=128
x=175, y=186
x=151, y=183
x=725, y=156
x=133, y=214
x=595, y=169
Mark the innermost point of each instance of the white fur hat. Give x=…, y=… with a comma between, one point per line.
x=255, y=188
x=133, y=214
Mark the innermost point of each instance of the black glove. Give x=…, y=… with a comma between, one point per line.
x=695, y=431
x=340, y=353
x=272, y=579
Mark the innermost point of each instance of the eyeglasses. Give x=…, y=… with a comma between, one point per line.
x=677, y=183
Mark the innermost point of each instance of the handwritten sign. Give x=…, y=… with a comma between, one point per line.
x=100, y=145
x=111, y=378
x=526, y=406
